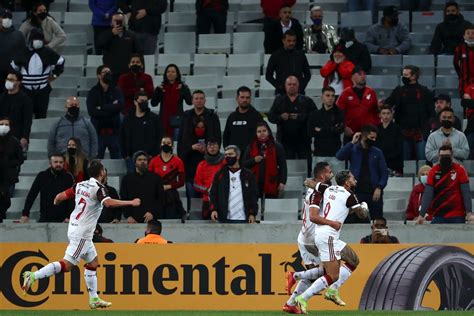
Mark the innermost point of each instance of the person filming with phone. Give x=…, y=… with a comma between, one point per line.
x=379, y=234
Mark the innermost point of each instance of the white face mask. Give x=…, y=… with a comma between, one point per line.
x=37, y=44
x=349, y=44
x=9, y=85
x=469, y=43
x=7, y=23
x=4, y=129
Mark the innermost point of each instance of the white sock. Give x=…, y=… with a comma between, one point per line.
x=48, y=270
x=311, y=274
x=344, y=274
x=91, y=282
x=318, y=285
x=300, y=288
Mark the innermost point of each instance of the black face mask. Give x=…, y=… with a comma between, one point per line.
x=135, y=68
x=451, y=17
x=446, y=123
x=71, y=151
x=394, y=21
x=73, y=112
x=107, y=78
x=43, y=15
x=166, y=148
x=406, y=81
x=230, y=161
x=370, y=142
x=143, y=105
x=445, y=162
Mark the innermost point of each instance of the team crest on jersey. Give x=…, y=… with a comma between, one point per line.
x=453, y=175
x=164, y=168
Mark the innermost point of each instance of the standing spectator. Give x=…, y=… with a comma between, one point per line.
x=291, y=112
x=468, y=104
x=288, y=61
x=318, y=37
x=102, y=11
x=104, y=103
x=144, y=18
x=326, y=125
x=171, y=170
x=39, y=66
x=359, y=104
x=140, y=130
x=271, y=11
x=368, y=166
x=390, y=141
x=379, y=233
x=153, y=234
x=48, y=184
x=234, y=193
x=449, y=33
x=356, y=52
x=72, y=125
x=414, y=202
x=464, y=59
x=240, y=125
x=448, y=196
x=266, y=158
x=170, y=95
x=133, y=81
x=11, y=158
x=111, y=215
x=337, y=72
x=415, y=5
x=213, y=162
x=54, y=36
x=211, y=13
x=442, y=101
x=145, y=185
x=278, y=28
x=389, y=36
x=447, y=135
x=76, y=161
x=364, y=5
x=413, y=106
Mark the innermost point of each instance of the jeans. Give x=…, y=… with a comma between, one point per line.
x=364, y=5
x=208, y=18
x=147, y=43
x=409, y=145
x=191, y=193
x=448, y=220
x=40, y=100
x=109, y=141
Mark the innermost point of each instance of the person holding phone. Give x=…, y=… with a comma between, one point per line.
x=379, y=234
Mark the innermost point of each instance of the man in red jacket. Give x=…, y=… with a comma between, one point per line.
x=464, y=59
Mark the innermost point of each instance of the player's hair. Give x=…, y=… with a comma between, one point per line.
x=155, y=226
x=386, y=107
x=446, y=109
x=446, y=147
x=320, y=166
x=415, y=71
x=342, y=176
x=367, y=129
x=328, y=88
x=95, y=168
x=234, y=148
x=244, y=89
x=380, y=218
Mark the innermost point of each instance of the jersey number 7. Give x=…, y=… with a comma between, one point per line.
x=84, y=203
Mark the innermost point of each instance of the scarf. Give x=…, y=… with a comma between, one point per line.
x=270, y=180
x=171, y=97
x=214, y=160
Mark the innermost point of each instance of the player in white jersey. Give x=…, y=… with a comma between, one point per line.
x=91, y=196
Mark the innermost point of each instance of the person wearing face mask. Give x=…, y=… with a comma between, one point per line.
x=390, y=141
x=318, y=37
x=414, y=201
x=355, y=51
x=467, y=103
x=102, y=11
x=442, y=101
x=76, y=161
x=447, y=192
x=464, y=59
x=367, y=164
x=276, y=30
x=72, y=124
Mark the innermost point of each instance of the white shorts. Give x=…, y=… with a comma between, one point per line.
x=329, y=246
x=308, y=251
x=80, y=249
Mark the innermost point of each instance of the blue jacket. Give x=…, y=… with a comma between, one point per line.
x=377, y=166
x=99, y=9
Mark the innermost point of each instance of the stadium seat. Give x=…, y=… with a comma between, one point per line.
x=75, y=66
x=78, y=22
x=244, y=64
x=447, y=84
x=226, y=106
x=297, y=167
x=445, y=66
x=184, y=6
x=76, y=44
x=205, y=64
x=282, y=210
x=316, y=61
x=422, y=38
x=263, y=105
x=383, y=85
x=181, y=22
x=425, y=62
x=249, y=27
x=244, y=16
x=37, y=148
x=207, y=83
x=180, y=43
x=230, y=84
x=214, y=43
x=314, y=86
x=265, y=89
x=399, y=184
x=150, y=63
x=248, y=43
x=425, y=22
x=183, y=61
x=427, y=81
x=358, y=20
x=386, y=65
x=79, y=6
x=93, y=61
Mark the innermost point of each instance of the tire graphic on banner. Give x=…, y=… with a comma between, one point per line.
x=401, y=280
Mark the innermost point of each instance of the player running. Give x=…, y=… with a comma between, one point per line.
x=90, y=196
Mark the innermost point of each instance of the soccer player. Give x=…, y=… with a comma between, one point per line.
x=90, y=196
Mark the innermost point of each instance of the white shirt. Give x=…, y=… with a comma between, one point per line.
x=285, y=28
x=236, y=199
x=337, y=84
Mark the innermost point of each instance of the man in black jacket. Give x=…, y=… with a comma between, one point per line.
x=356, y=52
x=390, y=141
x=276, y=29
x=211, y=13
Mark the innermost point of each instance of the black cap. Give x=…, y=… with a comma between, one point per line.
x=347, y=34
x=390, y=10
x=6, y=14
x=357, y=69
x=443, y=97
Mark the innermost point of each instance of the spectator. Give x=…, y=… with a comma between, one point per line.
x=449, y=33
x=147, y=186
x=379, y=234
x=48, y=184
x=271, y=11
x=140, y=130
x=104, y=103
x=11, y=158
x=145, y=20
x=102, y=11
x=326, y=125
x=388, y=37
x=17, y=106
x=415, y=5
x=464, y=59
x=368, y=166
x=72, y=125
x=54, y=36
x=291, y=112
x=265, y=157
x=76, y=161
x=278, y=28
x=211, y=13
x=448, y=196
x=153, y=234
x=355, y=51
x=97, y=237
x=117, y=44
x=442, y=101
x=111, y=215
x=468, y=104
x=171, y=170
x=414, y=202
x=364, y=5
x=170, y=95
x=390, y=141
x=39, y=66
x=337, y=71
x=135, y=80
x=234, y=193
x=359, y=104
x=206, y=169
x=318, y=37
x=447, y=135
x=288, y=61
x=413, y=106
x=241, y=124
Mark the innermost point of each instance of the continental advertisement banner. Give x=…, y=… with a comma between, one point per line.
x=237, y=277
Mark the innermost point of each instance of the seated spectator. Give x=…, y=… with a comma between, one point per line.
x=72, y=125
x=390, y=141
x=211, y=14
x=442, y=101
x=111, y=215
x=337, y=72
x=234, y=192
x=76, y=161
x=145, y=185
x=388, y=37
x=48, y=184
x=414, y=202
x=356, y=52
x=379, y=234
x=54, y=35
x=171, y=170
x=464, y=59
x=468, y=104
x=170, y=95
x=153, y=234
x=265, y=157
x=449, y=33
x=447, y=135
x=102, y=11
x=278, y=28
x=318, y=37
x=98, y=236
x=206, y=169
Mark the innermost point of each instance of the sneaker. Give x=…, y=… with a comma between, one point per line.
x=333, y=295
x=302, y=304
x=28, y=280
x=290, y=281
x=291, y=309
x=97, y=302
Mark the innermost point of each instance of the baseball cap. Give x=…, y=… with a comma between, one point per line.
x=390, y=10
x=6, y=14
x=443, y=97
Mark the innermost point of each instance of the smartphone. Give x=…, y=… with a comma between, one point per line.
x=118, y=23
x=382, y=231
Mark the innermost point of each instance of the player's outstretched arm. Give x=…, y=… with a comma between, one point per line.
x=63, y=196
x=111, y=203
